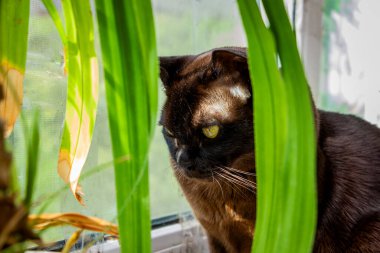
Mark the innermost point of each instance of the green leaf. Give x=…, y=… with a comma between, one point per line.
x=50, y=7
x=33, y=145
x=82, y=95
x=131, y=69
x=14, y=21
x=302, y=199
x=284, y=133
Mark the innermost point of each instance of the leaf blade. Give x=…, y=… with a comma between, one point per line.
x=131, y=71
x=303, y=194
x=14, y=21
x=82, y=97
x=278, y=146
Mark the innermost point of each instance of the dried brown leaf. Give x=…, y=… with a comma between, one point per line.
x=11, y=80
x=44, y=221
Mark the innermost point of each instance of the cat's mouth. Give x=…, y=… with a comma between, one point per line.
x=237, y=170
x=242, y=179
x=199, y=174
x=204, y=174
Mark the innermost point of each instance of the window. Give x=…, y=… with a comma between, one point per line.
x=349, y=76
x=182, y=27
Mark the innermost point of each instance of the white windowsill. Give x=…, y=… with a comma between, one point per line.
x=186, y=236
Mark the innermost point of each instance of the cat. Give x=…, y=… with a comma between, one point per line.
x=208, y=126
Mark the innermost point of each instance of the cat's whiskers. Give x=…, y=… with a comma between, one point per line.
x=232, y=185
x=239, y=183
x=239, y=171
x=220, y=188
x=241, y=179
x=229, y=179
x=216, y=180
x=237, y=174
x=237, y=180
x=207, y=189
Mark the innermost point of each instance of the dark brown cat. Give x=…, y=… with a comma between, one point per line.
x=208, y=125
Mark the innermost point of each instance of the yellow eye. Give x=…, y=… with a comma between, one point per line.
x=211, y=131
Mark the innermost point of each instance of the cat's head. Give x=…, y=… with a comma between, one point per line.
x=207, y=118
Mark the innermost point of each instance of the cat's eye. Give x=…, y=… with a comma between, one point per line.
x=211, y=131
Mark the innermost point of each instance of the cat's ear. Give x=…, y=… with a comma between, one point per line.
x=232, y=57
x=169, y=67
x=231, y=60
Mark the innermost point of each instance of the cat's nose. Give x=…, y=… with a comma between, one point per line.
x=183, y=157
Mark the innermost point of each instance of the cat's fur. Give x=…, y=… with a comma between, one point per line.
x=217, y=175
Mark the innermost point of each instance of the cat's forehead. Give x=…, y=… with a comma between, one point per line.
x=220, y=102
x=200, y=93
x=200, y=105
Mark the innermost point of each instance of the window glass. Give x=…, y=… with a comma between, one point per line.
x=186, y=27
x=182, y=27
x=350, y=80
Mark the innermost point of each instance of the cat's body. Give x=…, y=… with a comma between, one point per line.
x=348, y=185
x=208, y=126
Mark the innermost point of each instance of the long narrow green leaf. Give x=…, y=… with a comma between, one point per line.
x=14, y=21
x=130, y=68
x=33, y=145
x=301, y=208
x=50, y=7
x=284, y=136
x=82, y=96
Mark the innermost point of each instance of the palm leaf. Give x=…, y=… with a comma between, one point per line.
x=284, y=133
x=130, y=68
x=14, y=21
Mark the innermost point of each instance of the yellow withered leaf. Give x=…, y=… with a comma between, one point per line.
x=71, y=241
x=70, y=171
x=11, y=83
x=78, y=129
x=44, y=221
